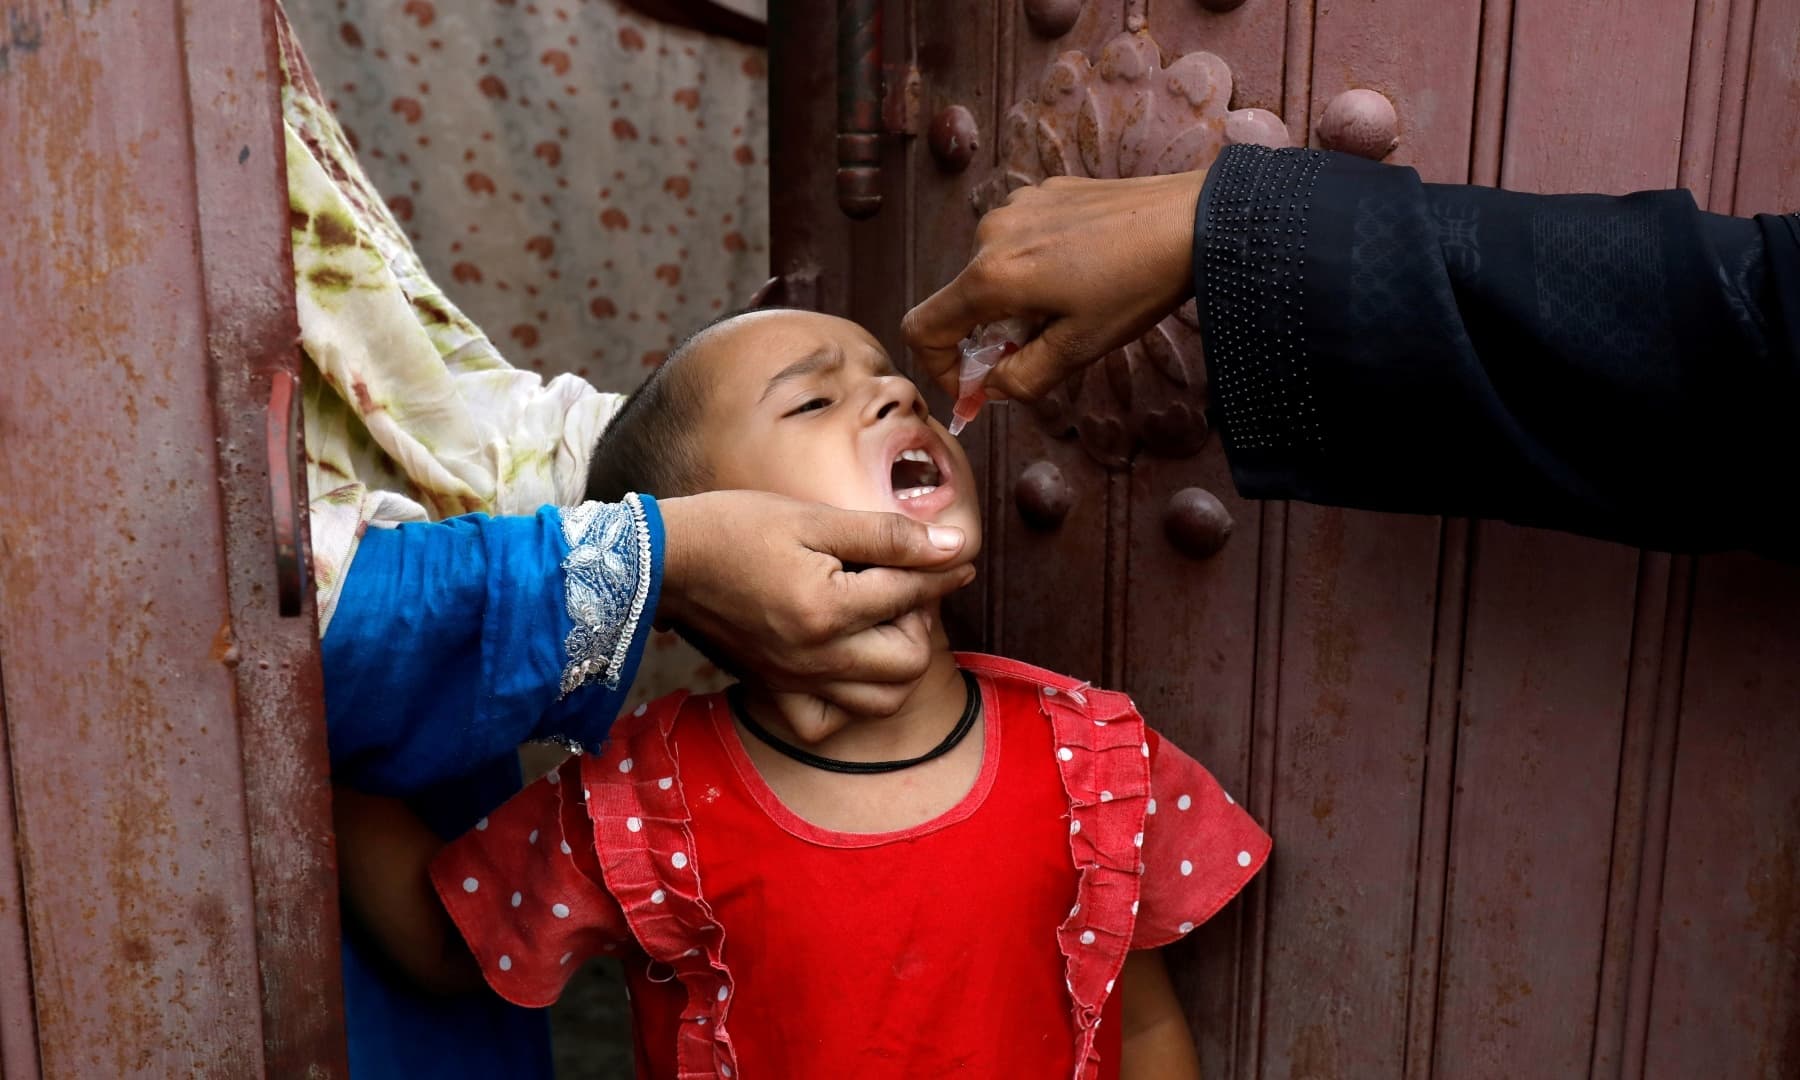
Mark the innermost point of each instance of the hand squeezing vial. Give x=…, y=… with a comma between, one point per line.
x=981, y=350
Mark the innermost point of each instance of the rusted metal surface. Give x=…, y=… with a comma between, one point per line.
x=121, y=718
x=902, y=93
x=1768, y=179
x=809, y=247
x=859, y=107
x=286, y=498
x=960, y=61
x=1726, y=995
x=1532, y=795
x=179, y=906
x=18, y=1024
x=251, y=334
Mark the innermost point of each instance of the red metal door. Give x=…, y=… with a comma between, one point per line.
x=1536, y=799
x=167, y=898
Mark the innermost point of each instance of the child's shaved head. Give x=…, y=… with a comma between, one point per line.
x=652, y=445
x=796, y=403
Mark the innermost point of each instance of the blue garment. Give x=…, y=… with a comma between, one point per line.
x=451, y=645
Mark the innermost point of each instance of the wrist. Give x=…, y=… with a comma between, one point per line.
x=682, y=522
x=1181, y=209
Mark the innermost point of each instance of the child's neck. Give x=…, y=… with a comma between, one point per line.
x=921, y=722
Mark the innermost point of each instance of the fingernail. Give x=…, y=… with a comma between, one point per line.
x=945, y=538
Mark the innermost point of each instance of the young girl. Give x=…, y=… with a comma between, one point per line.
x=973, y=886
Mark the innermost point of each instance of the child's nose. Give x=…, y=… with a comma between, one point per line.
x=897, y=394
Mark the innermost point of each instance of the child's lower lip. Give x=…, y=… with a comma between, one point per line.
x=924, y=506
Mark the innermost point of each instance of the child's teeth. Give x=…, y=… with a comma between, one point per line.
x=915, y=455
x=913, y=493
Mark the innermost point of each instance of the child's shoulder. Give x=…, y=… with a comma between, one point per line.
x=656, y=715
x=1059, y=692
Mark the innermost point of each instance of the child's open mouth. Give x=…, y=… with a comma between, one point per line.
x=914, y=475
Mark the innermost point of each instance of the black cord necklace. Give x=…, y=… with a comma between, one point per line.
x=971, y=711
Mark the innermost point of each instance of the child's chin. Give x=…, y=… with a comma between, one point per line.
x=965, y=518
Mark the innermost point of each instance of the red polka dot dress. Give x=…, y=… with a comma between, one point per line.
x=984, y=942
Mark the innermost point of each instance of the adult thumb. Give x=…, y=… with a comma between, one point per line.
x=863, y=538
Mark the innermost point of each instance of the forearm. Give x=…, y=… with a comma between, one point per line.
x=384, y=855
x=456, y=641
x=1568, y=361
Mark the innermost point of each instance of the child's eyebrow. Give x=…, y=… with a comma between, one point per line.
x=823, y=359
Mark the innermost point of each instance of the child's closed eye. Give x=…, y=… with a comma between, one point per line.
x=811, y=405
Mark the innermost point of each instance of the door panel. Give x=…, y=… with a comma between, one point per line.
x=1728, y=926
x=1529, y=791
x=165, y=744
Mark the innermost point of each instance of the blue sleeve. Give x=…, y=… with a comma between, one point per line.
x=455, y=641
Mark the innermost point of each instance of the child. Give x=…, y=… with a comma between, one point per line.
x=957, y=889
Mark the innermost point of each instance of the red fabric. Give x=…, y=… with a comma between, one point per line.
x=923, y=952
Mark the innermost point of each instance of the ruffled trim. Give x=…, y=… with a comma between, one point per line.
x=1103, y=755
x=606, y=583
x=644, y=832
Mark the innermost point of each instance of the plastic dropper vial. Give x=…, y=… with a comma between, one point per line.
x=981, y=350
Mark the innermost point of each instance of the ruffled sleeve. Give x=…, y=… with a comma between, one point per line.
x=1200, y=847
x=524, y=888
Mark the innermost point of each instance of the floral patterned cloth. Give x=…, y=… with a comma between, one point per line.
x=591, y=185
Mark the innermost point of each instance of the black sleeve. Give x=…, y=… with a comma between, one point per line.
x=1624, y=367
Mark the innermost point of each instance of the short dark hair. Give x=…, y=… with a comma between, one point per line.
x=650, y=445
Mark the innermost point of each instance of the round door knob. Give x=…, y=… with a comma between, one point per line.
x=1197, y=523
x=1360, y=122
x=954, y=138
x=1043, y=496
x=1052, y=18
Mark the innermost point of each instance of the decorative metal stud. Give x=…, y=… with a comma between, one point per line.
x=954, y=138
x=1044, y=498
x=1360, y=122
x=1197, y=523
x=1052, y=18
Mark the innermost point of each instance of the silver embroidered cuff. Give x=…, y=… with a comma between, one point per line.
x=606, y=581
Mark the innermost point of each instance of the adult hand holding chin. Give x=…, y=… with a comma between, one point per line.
x=824, y=606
